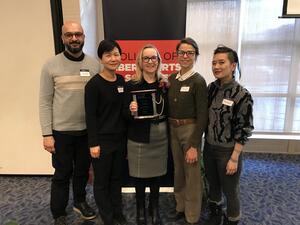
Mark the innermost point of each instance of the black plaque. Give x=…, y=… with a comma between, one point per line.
x=146, y=104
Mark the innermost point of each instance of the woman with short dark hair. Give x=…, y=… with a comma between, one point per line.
x=187, y=118
x=229, y=126
x=106, y=130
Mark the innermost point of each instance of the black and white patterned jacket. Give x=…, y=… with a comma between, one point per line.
x=230, y=114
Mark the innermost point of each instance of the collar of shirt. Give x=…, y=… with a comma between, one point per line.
x=225, y=86
x=72, y=58
x=188, y=74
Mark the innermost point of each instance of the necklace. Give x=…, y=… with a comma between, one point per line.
x=161, y=100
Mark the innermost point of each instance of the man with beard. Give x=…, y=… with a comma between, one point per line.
x=62, y=118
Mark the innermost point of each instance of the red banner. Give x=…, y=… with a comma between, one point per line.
x=130, y=49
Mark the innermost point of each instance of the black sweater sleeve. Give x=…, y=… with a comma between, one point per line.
x=127, y=100
x=243, y=118
x=91, y=101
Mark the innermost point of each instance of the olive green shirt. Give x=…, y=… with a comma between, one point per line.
x=187, y=100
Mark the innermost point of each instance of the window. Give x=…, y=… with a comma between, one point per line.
x=269, y=50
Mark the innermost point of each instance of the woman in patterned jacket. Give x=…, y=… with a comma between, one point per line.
x=230, y=124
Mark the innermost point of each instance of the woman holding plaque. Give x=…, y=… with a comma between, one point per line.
x=188, y=119
x=229, y=126
x=104, y=97
x=147, y=145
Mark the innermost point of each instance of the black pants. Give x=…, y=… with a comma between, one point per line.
x=70, y=160
x=142, y=183
x=215, y=161
x=107, y=184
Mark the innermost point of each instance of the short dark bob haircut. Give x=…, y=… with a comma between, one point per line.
x=232, y=55
x=107, y=46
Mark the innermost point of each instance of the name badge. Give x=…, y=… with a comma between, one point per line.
x=185, y=89
x=84, y=73
x=227, y=102
x=120, y=89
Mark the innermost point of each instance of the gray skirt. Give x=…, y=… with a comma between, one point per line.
x=149, y=159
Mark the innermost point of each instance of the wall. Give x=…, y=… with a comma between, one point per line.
x=293, y=7
x=272, y=143
x=26, y=42
x=71, y=10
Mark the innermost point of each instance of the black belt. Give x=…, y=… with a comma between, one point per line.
x=158, y=120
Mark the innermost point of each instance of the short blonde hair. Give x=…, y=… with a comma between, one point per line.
x=139, y=64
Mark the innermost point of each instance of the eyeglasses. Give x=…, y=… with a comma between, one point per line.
x=187, y=53
x=70, y=35
x=147, y=59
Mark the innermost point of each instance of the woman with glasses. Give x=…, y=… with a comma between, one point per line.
x=104, y=96
x=187, y=98
x=147, y=144
x=230, y=124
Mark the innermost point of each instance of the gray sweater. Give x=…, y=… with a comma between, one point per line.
x=230, y=114
x=61, y=99
x=188, y=99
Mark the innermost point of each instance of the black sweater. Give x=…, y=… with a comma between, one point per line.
x=103, y=109
x=139, y=129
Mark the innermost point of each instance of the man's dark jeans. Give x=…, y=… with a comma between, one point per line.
x=70, y=160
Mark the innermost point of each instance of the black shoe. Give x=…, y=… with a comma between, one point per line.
x=154, y=214
x=60, y=221
x=84, y=210
x=141, y=218
x=179, y=216
x=215, y=215
x=120, y=220
x=228, y=222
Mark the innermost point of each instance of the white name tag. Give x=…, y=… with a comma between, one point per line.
x=120, y=89
x=227, y=102
x=85, y=73
x=185, y=89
